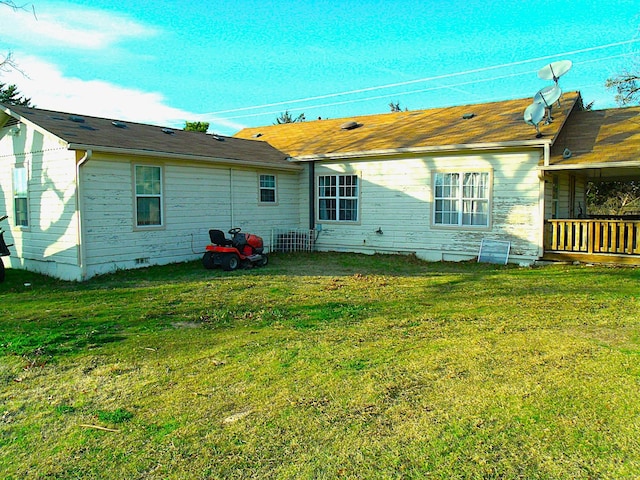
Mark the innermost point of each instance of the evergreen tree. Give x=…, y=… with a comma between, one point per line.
x=9, y=95
x=287, y=118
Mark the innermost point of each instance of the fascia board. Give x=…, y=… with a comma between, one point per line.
x=590, y=166
x=176, y=156
x=34, y=126
x=538, y=143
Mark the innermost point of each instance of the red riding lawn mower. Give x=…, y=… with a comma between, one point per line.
x=243, y=250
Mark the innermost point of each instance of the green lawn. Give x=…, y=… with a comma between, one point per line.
x=323, y=366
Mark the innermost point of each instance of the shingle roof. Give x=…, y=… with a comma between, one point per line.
x=85, y=132
x=497, y=122
x=599, y=136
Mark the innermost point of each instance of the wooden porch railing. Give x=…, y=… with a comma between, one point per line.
x=620, y=237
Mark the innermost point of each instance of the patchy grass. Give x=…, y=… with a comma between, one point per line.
x=323, y=366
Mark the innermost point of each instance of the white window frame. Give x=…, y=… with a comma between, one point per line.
x=454, y=207
x=21, y=192
x=341, y=192
x=140, y=195
x=267, y=188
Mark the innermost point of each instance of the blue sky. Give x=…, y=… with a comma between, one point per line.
x=241, y=63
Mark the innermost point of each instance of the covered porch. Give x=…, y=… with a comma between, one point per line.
x=593, y=240
x=594, y=146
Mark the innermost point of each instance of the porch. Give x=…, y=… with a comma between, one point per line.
x=593, y=240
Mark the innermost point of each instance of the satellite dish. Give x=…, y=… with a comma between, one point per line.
x=547, y=97
x=533, y=115
x=554, y=70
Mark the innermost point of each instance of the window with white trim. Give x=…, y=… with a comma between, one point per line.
x=461, y=199
x=268, y=189
x=338, y=198
x=148, y=195
x=20, y=196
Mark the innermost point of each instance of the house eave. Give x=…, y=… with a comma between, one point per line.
x=193, y=158
x=590, y=166
x=537, y=143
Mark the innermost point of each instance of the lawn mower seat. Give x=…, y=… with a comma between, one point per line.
x=217, y=238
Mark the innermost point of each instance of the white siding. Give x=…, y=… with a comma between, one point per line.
x=49, y=244
x=196, y=198
x=396, y=198
x=565, y=208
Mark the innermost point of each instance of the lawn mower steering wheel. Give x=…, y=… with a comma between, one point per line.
x=233, y=231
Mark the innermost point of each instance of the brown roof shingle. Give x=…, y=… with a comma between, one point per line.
x=599, y=136
x=83, y=131
x=496, y=122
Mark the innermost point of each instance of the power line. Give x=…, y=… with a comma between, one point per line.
x=420, y=80
x=422, y=90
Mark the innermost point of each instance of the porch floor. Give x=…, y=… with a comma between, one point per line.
x=604, y=258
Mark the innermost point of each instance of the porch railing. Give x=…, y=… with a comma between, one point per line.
x=621, y=237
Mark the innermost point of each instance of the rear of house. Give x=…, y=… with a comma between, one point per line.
x=434, y=183
x=88, y=195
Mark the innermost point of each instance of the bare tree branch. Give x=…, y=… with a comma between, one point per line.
x=626, y=85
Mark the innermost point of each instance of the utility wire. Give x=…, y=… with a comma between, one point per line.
x=421, y=80
x=422, y=90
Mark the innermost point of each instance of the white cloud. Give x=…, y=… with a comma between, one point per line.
x=49, y=89
x=75, y=27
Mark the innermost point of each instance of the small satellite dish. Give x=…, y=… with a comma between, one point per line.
x=547, y=97
x=554, y=70
x=533, y=115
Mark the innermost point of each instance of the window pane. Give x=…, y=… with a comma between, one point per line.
x=327, y=186
x=147, y=180
x=446, y=212
x=20, y=199
x=21, y=212
x=267, y=181
x=267, y=195
x=348, y=186
x=446, y=185
x=327, y=209
x=475, y=185
x=476, y=212
x=349, y=210
x=148, y=211
x=20, y=182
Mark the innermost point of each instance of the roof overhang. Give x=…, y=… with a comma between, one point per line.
x=436, y=149
x=610, y=171
x=193, y=158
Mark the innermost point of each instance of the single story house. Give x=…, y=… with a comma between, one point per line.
x=437, y=182
x=89, y=195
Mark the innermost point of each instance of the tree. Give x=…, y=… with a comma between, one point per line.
x=626, y=85
x=287, y=118
x=7, y=62
x=613, y=198
x=395, y=107
x=9, y=95
x=196, y=126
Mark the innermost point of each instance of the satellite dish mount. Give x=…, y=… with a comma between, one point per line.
x=533, y=115
x=544, y=99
